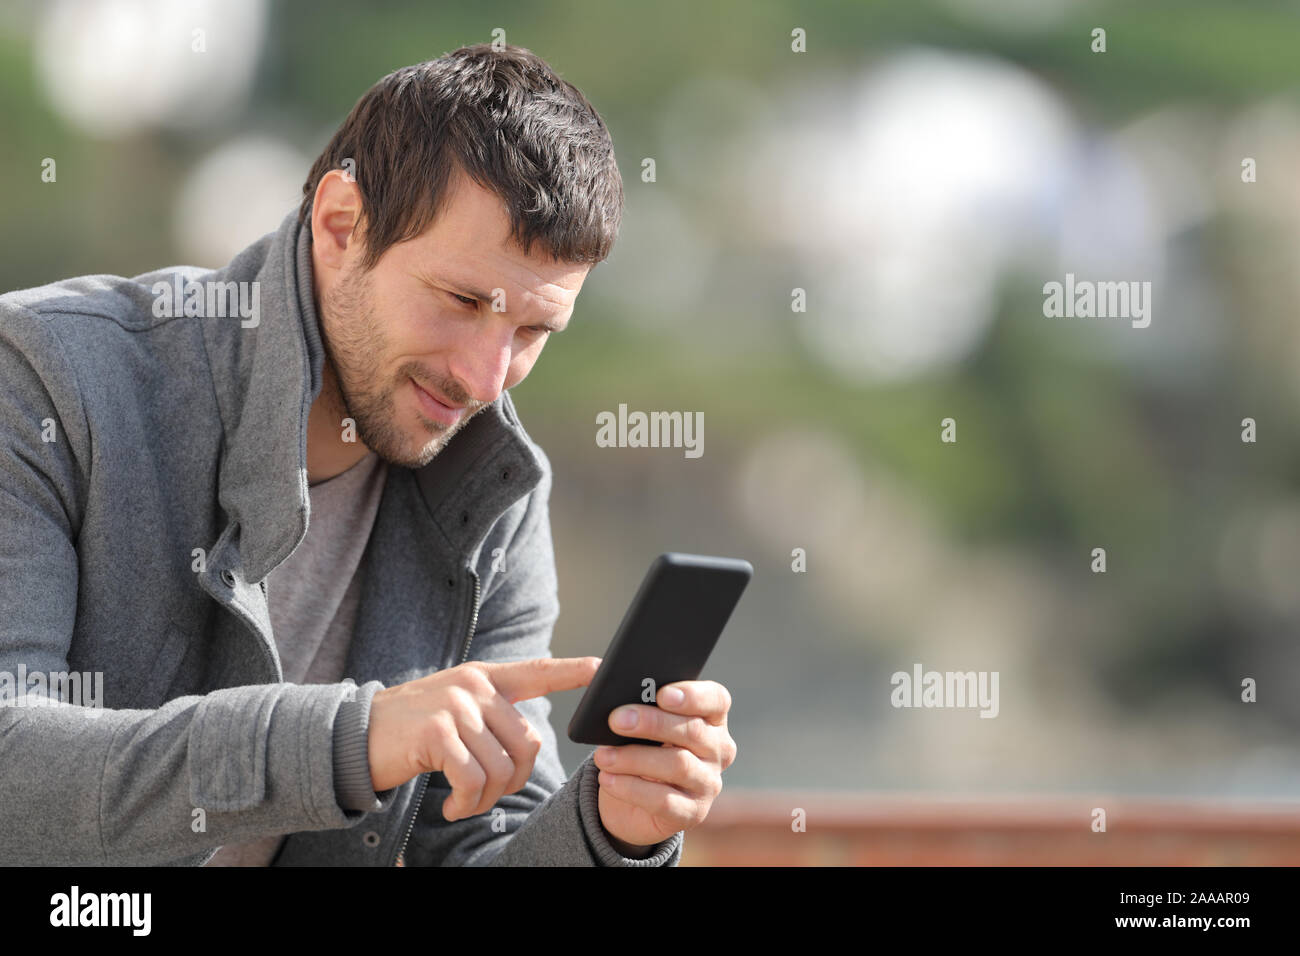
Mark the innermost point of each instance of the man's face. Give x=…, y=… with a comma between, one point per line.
x=425, y=315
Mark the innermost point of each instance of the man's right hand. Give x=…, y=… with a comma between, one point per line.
x=462, y=722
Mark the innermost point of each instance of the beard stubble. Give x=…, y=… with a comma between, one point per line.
x=356, y=354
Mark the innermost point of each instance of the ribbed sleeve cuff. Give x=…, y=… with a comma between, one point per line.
x=352, y=785
x=666, y=853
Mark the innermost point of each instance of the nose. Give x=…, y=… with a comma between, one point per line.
x=481, y=364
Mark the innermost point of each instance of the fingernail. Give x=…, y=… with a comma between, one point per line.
x=673, y=695
x=625, y=717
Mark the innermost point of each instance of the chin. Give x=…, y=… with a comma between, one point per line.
x=426, y=452
x=414, y=441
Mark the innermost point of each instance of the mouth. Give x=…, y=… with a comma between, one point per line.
x=435, y=408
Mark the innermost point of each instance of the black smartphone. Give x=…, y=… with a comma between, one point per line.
x=667, y=635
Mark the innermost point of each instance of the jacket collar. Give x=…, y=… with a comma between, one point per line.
x=267, y=376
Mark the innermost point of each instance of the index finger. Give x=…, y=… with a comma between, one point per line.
x=521, y=680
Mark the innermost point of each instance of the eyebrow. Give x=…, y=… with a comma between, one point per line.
x=461, y=289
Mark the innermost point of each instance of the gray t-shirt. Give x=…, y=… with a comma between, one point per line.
x=313, y=599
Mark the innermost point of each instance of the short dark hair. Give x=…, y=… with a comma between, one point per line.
x=504, y=118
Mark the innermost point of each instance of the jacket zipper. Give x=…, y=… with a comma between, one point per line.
x=424, y=778
x=473, y=623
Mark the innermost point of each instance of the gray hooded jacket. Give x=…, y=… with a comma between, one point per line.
x=152, y=473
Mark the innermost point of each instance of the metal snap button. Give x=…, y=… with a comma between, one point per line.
x=371, y=838
x=227, y=577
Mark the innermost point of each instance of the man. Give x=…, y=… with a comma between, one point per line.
x=287, y=510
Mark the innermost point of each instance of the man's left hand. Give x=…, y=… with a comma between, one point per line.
x=647, y=792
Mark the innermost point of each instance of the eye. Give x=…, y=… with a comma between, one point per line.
x=464, y=299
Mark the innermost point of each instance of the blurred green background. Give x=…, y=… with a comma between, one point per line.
x=920, y=172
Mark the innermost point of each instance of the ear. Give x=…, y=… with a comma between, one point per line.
x=335, y=218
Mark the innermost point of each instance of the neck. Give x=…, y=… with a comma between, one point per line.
x=327, y=452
